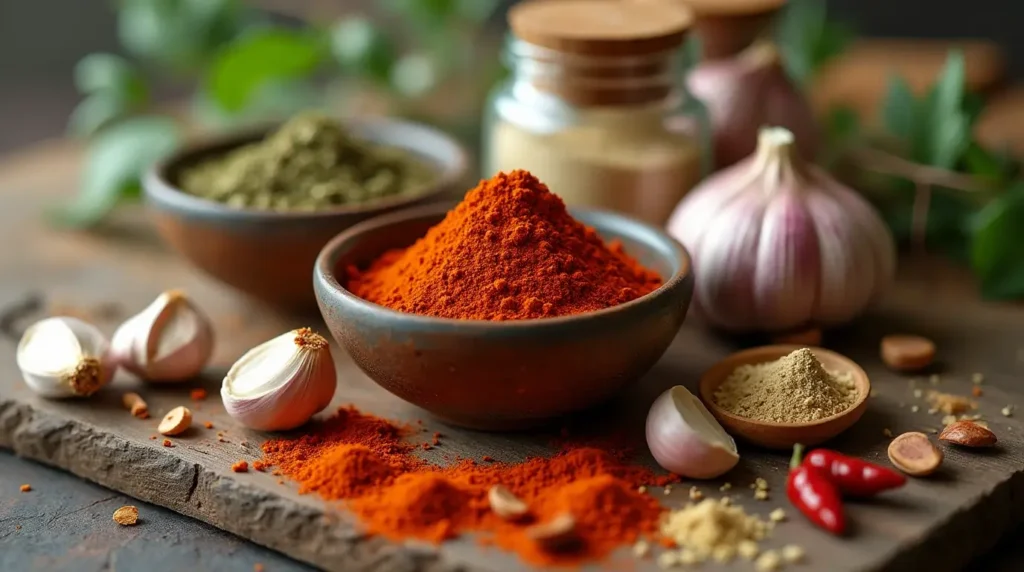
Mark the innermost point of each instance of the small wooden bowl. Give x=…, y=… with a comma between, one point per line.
x=784, y=435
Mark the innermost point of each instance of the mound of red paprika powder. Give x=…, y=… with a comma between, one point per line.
x=509, y=251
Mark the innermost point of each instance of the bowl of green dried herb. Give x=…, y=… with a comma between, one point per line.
x=254, y=209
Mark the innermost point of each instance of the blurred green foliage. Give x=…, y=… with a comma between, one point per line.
x=808, y=38
x=982, y=225
x=247, y=66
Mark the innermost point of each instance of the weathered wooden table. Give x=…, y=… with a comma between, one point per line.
x=935, y=524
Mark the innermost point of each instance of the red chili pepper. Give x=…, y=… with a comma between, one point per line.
x=854, y=476
x=811, y=491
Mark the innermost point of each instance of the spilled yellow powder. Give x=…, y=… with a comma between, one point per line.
x=714, y=529
x=795, y=388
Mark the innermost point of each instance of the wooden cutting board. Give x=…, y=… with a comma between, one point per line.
x=935, y=524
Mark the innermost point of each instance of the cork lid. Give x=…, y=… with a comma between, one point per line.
x=601, y=27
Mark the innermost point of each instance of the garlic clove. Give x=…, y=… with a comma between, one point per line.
x=723, y=283
x=686, y=439
x=280, y=384
x=65, y=357
x=787, y=263
x=170, y=340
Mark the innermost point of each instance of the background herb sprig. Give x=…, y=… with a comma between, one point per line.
x=244, y=65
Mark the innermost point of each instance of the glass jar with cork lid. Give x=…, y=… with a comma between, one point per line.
x=595, y=105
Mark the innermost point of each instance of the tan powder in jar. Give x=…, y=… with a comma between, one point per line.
x=793, y=389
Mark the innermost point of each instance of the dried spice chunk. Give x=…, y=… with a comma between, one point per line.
x=134, y=403
x=310, y=163
x=950, y=404
x=126, y=516
x=914, y=454
x=968, y=434
x=907, y=353
x=176, y=422
x=240, y=467
x=25, y=488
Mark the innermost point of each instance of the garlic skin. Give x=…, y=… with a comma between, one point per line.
x=171, y=340
x=282, y=383
x=65, y=357
x=686, y=439
x=746, y=92
x=777, y=244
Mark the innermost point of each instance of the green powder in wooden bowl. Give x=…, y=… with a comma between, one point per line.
x=310, y=163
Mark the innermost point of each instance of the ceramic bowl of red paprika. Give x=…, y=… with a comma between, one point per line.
x=501, y=375
x=270, y=254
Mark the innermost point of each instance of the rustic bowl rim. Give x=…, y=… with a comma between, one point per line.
x=709, y=383
x=325, y=278
x=158, y=185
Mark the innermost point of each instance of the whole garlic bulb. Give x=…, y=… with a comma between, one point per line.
x=777, y=243
x=170, y=340
x=279, y=384
x=748, y=91
x=65, y=357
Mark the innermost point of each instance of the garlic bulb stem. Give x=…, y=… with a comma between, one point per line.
x=64, y=357
x=281, y=383
x=170, y=340
x=778, y=244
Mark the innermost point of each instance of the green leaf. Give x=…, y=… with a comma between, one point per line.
x=114, y=163
x=108, y=72
x=997, y=249
x=949, y=90
x=841, y=123
x=985, y=164
x=359, y=46
x=426, y=14
x=808, y=39
x=95, y=112
x=950, y=138
x=261, y=57
x=273, y=101
x=691, y=53
x=182, y=34
x=899, y=109
x=476, y=10
x=949, y=216
x=833, y=39
x=414, y=74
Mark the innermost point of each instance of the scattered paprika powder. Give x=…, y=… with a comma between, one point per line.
x=368, y=462
x=509, y=251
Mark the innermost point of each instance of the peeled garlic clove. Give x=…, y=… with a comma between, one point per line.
x=280, y=384
x=686, y=439
x=65, y=357
x=171, y=340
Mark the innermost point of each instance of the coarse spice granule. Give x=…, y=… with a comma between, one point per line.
x=368, y=462
x=794, y=388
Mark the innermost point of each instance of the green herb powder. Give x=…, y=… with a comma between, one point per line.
x=311, y=163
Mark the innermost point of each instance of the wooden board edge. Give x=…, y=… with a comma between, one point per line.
x=301, y=532
x=326, y=541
